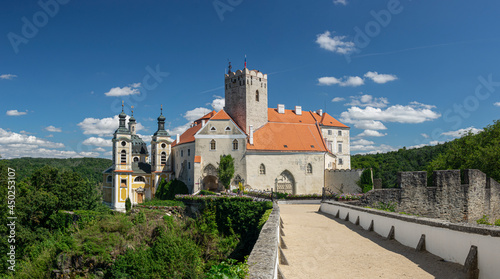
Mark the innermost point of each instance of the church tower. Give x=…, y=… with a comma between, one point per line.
x=122, y=146
x=160, y=152
x=246, y=97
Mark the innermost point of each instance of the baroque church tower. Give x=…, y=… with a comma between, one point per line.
x=160, y=152
x=246, y=98
x=122, y=145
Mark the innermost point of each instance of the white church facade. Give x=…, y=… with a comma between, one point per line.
x=287, y=150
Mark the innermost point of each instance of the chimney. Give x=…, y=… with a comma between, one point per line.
x=178, y=139
x=281, y=108
x=298, y=110
x=320, y=112
x=203, y=123
x=251, y=134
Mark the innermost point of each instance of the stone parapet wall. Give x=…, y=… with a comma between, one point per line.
x=453, y=197
x=343, y=181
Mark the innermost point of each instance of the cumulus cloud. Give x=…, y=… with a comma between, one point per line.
x=192, y=115
x=218, y=103
x=425, y=136
x=341, y=2
x=16, y=145
x=370, y=133
x=431, y=143
x=7, y=76
x=345, y=81
x=97, y=141
x=15, y=112
x=367, y=124
x=337, y=99
x=335, y=44
x=179, y=129
x=369, y=147
x=99, y=149
x=132, y=89
x=103, y=127
x=53, y=129
x=380, y=78
x=497, y=104
x=413, y=113
x=368, y=100
x=461, y=132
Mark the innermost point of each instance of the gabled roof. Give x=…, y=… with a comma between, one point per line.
x=327, y=120
x=288, y=137
x=221, y=115
x=188, y=135
x=289, y=116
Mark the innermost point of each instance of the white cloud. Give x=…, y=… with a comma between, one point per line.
x=497, y=104
x=218, y=103
x=132, y=89
x=96, y=141
x=178, y=130
x=342, y=2
x=337, y=99
x=345, y=81
x=192, y=115
x=15, y=112
x=413, y=113
x=10, y=138
x=103, y=127
x=380, y=78
x=425, y=136
x=99, y=149
x=49, y=136
x=335, y=44
x=53, y=129
x=368, y=100
x=366, y=124
x=370, y=133
x=368, y=147
x=7, y=76
x=431, y=143
x=462, y=132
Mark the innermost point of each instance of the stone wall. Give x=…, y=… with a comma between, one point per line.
x=343, y=181
x=452, y=197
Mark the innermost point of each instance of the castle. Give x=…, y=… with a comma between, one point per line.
x=273, y=148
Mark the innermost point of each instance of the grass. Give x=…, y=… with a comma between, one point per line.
x=156, y=202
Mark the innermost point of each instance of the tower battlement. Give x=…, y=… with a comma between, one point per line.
x=255, y=73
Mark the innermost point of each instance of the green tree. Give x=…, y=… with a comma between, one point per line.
x=168, y=190
x=365, y=181
x=226, y=170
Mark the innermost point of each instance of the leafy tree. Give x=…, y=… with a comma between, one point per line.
x=365, y=181
x=168, y=190
x=128, y=204
x=226, y=170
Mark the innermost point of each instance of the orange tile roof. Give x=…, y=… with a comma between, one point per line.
x=289, y=116
x=197, y=159
x=327, y=120
x=288, y=137
x=188, y=135
x=221, y=115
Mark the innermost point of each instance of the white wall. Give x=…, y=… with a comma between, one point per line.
x=451, y=245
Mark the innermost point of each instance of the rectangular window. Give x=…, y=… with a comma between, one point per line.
x=123, y=183
x=182, y=153
x=340, y=133
x=189, y=152
x=340, y=148
x=341, y=162
x=189, y=165
x=329, y=132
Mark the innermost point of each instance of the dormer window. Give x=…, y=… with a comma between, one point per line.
x=213, y=129
x=228, y=128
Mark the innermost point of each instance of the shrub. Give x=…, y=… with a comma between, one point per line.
x=168, y=190
x=365, y=181
x=497, y=222
x=209, y=193
x=157, y=202
x=390, y=206
x=484, y=220
x=226, y=170
x=128, y=204
x=139, y=218
x=230, y=270
x=264, y=218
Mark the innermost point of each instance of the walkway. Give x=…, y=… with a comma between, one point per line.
x=320, y=246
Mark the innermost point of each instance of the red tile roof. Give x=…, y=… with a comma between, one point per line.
x=288, y=137
x=197, y=159
x=289, y=117
x=221, y=115
x=327, y=120
x=188, y=135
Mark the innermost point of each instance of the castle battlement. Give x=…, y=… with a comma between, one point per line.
x=246, y=72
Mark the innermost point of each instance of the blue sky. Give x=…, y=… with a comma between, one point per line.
x=399, y=73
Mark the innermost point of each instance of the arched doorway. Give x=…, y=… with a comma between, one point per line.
x=210, y=180
x=285, y=183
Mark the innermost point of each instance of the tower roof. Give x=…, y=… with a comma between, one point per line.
x=138, y=145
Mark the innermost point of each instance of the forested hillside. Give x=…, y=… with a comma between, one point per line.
x=480, y=151
x=88, y=168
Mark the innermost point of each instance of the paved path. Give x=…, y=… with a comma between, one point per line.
x=320, y=246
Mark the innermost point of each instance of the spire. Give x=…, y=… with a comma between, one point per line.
x=132, y=119
x=161, y=124
x=122, y=116
x=229, y=68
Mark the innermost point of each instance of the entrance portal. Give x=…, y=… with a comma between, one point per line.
x=285, y=183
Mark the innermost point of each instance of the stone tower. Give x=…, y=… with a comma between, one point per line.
x=160, y=148
x=246, y=98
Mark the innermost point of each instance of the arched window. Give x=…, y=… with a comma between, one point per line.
x=262, y=169
x=235, y=144
x=228, y=128
x=109, y=179
x=163, y=159
x=213, y=145
x=237, y=180
x=257, y=95
x=136, y=159
x=140, y=179
x=123, y=157
x=309, y=168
